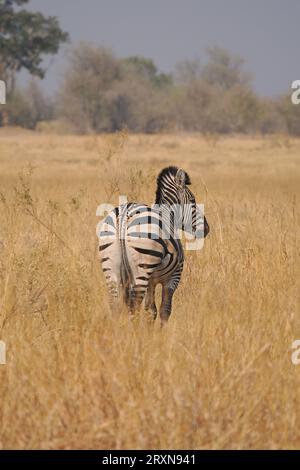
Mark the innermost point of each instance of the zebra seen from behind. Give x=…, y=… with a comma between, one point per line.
x=140, y=245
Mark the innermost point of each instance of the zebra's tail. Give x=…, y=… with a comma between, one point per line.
x=127, y=283
x=126, y=274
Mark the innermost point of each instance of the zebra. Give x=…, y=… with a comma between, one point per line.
x=140, y=248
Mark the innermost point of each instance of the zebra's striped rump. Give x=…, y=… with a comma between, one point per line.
x=133, y=245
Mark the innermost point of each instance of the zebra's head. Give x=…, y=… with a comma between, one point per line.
x=173, y=191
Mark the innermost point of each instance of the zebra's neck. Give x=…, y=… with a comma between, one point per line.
x=169, y=215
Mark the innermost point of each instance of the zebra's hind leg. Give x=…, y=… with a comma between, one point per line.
x=150, y=300
x=134, y=299
x=166, y=305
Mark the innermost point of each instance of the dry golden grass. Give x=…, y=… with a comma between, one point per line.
x=220, y=374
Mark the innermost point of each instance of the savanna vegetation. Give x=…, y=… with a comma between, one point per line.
x=103, y=93
x=219, y=375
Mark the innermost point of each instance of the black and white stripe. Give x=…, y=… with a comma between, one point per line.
x=140, y=247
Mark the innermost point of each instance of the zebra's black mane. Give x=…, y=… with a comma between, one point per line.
x=170, y=170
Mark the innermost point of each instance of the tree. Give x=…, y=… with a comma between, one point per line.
x=139, y=106
x=25, y=38
x=224, y=70
x=188, y=71
x=216, y=96
x=146, y=69
x=28, y=107
x=290, y=113
x=240, y=110
x=102, y=93
x=92, y=72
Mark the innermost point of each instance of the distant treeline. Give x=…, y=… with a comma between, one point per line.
x=103, y=93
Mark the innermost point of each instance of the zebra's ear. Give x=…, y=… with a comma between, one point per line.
x=180, y=178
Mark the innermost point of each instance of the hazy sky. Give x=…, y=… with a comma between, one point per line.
x=265, y=32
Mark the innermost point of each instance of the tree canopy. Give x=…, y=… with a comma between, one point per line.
x=146, y=68
x=25, y=37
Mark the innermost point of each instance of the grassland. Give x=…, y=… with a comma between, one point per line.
x=220, y=374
